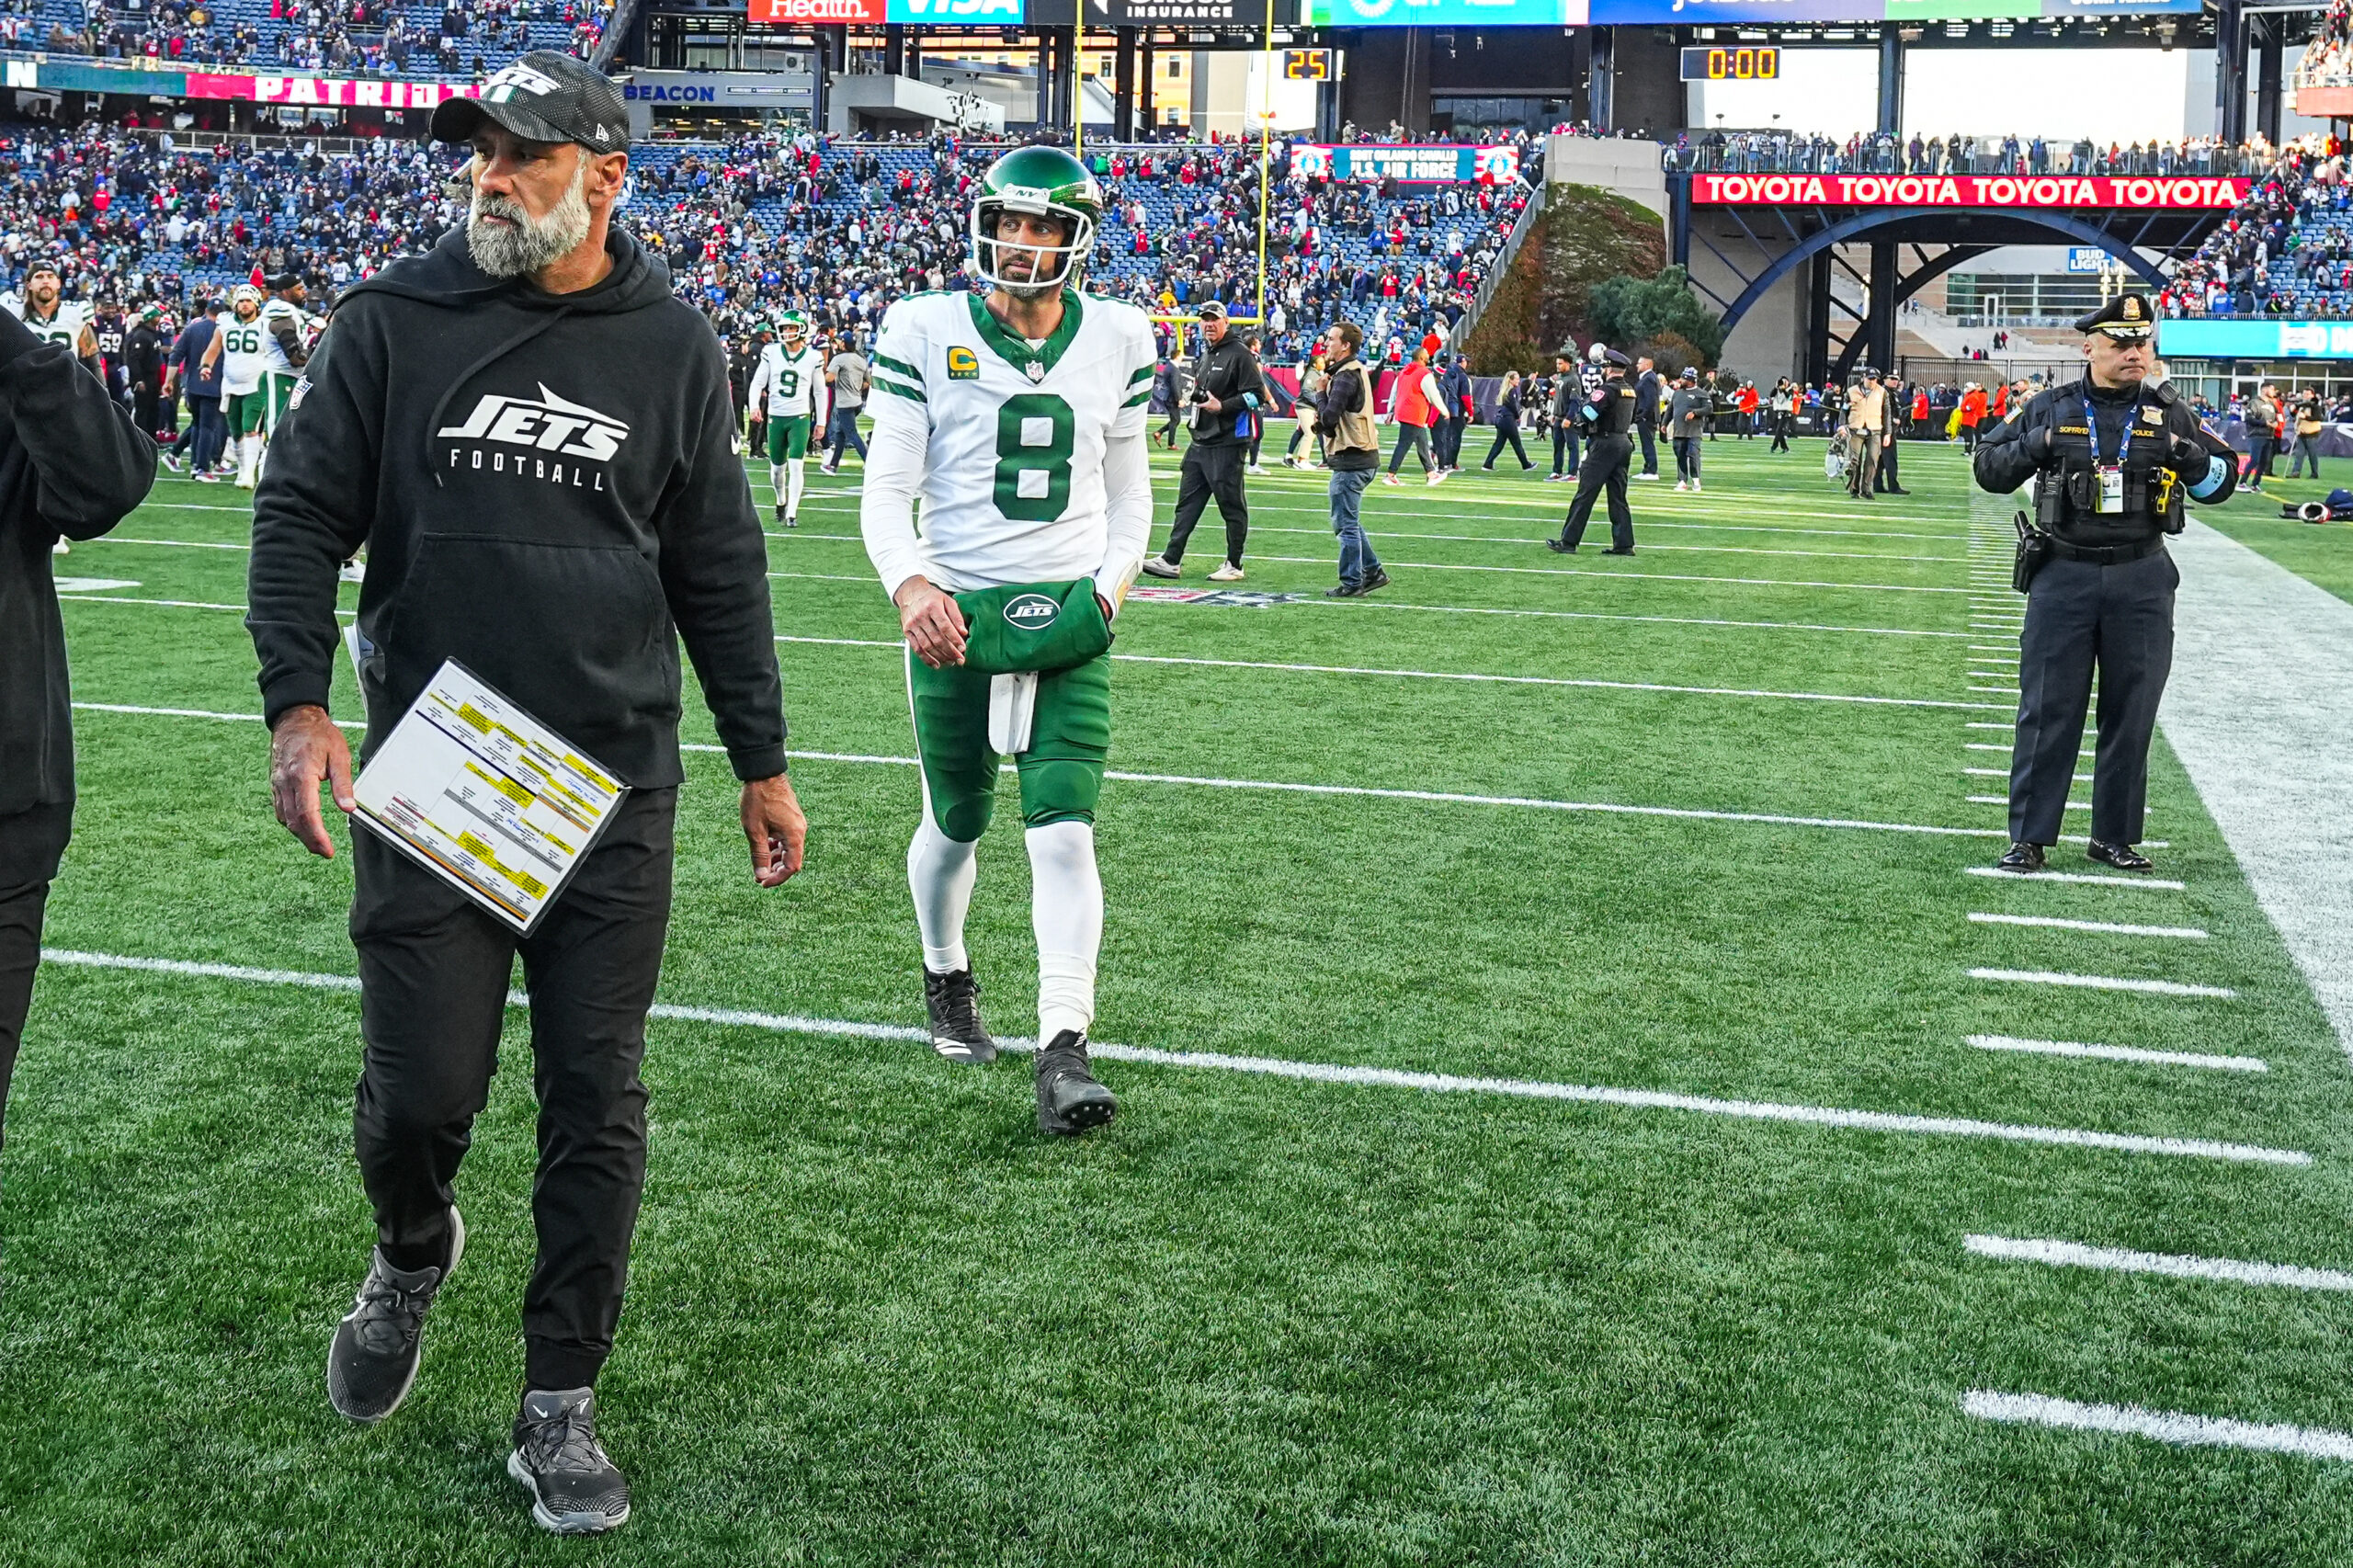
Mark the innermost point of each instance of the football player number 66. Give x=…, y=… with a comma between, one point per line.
x=1033, y=452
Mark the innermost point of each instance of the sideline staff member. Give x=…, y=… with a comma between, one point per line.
x=1606, y=415
x=1226, y=387
x=71, y=466
x=534, y=439
x=2111, y=459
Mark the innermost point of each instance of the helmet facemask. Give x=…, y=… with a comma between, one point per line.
x=989, y=252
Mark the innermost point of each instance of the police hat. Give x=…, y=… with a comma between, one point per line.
x=542, y=96
x=2126, y=318
x=1613, y=357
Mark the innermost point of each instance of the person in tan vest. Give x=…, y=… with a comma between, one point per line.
x=1353, y=452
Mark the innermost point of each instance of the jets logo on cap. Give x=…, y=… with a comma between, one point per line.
x=1031, y=612
x=501, y=88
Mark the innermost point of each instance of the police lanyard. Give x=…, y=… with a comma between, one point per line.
x=2110, y=475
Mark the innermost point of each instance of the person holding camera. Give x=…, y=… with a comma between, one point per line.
x=1225, y=400
x=2112, y=458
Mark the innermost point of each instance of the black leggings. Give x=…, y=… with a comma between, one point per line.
x=1508, y=433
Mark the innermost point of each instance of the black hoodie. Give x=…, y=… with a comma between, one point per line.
x=547, y=488
x=72, y=464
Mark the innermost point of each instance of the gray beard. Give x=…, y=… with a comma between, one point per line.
x=530, y=245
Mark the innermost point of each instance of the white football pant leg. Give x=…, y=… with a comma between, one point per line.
x=1066, y=912
x=940, y=874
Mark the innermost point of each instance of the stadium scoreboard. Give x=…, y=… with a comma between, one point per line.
x=1732, y=64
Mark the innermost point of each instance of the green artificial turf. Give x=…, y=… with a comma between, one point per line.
x=873, y=1318
x=2319, y=553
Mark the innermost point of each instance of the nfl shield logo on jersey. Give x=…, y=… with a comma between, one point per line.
x=1037, y=371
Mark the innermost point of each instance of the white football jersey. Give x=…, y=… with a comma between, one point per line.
x=243, y=358
x=792, y=379
x=1013, y=486
x=64, y=326
x=273, y=352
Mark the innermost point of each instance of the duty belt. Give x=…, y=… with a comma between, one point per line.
x=2106, y=555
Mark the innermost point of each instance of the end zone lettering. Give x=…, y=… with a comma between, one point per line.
x=1970, y=190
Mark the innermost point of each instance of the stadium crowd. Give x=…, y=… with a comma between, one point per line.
x=339, y=38
x=1782, y=151
x=753, y=225
x=2286, y=250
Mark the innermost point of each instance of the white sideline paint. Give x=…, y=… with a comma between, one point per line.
x=1594, y=615
x=2120, y=1053
x=2004, y=773
x=2154, y=884
x=2005, y=800
x=2176, y=1266
x=2166, y=1427
x=2102, y=982
x=2257, y=712
x=2104, y=927
x=1316, y=1072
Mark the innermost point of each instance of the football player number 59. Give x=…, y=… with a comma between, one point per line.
x=1033, y=451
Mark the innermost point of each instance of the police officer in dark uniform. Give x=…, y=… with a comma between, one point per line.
x=1606, y=415
x=2112, y=459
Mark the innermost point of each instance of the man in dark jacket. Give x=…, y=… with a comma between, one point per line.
x=534, y=439
x=1228, y=398
x=1568, y=396
x=194, y=372
x=1453, y=412
x=71, y=465
x=1648, y=394
x=142, y=357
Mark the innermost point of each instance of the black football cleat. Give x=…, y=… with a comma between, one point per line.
x=957, y=1033
x=1379, y=579
x=372, y=1363
x=1069, y=1099
x=2123, y=856
x=1625, y=551
x=2022, y=857
x=1560, y=547
x=576, y=1488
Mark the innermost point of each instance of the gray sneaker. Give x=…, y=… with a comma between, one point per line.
x=373, y=1361
x=576, y=1488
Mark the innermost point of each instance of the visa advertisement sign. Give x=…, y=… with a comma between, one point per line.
x=2232, y=339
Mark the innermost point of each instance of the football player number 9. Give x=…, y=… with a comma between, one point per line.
x=1021, y=453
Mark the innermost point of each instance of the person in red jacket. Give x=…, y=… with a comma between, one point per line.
x=1413, y=404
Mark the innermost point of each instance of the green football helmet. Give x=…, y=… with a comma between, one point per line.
x=1037, y=180
x=792, y=327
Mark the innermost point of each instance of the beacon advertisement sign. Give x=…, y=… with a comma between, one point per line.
x=1967, y=190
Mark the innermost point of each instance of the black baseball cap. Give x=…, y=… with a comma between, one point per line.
x=542, y=96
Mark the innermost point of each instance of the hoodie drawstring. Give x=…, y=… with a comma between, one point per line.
x=433, y=420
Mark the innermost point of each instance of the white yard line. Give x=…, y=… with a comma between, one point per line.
x=2153, y=884
x=2004, y=773
x=2174, y=1266
x=2259, y=708
x=167, y=543
x=2120, y=1053
x=2102, y=982
x=2101, y=927
x=2166, y=1427
x=1374, y=1077
x=1656, y=620
x=1278, y=787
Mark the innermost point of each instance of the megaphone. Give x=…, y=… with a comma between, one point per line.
x=2312, y=512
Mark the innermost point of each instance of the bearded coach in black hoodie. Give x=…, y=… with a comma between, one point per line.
x=532, y=438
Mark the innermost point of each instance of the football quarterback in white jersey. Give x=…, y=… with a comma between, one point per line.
x=1017, y=419
x=790, y=375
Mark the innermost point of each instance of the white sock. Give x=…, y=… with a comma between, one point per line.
x=248, y=456
x=1066, y=912
x=793, y=468
x=776, y=478
x=940, y=874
